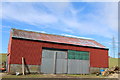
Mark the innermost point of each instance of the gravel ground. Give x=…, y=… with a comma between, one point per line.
x=5, y=75
x=114, y=76
x=2, y=74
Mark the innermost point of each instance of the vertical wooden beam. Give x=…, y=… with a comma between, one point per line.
x=23, y=67
x=8, y=63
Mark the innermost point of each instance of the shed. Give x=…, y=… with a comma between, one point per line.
x=54, y=54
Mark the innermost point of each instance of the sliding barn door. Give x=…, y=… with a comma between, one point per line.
x=54, y=61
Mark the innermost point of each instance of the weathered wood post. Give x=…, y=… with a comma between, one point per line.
x=23, y=66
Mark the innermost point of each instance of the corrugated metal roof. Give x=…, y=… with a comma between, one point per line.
x=55, y=38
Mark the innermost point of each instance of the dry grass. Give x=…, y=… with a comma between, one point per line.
x=53, y=76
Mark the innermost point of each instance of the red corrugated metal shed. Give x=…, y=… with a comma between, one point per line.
x=32, y=52
x=55, y=38
x=29, y=45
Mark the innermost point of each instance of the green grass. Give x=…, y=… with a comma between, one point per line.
x=4, y=56
x=86, y=76
x=113, y=62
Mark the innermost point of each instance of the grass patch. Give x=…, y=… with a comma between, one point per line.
x=4, y=56
x=86, y=76
x=113, y=62
x=54, y=76
x=24, y=76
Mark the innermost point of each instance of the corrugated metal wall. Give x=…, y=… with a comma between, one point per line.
x=57, y=62
x=78, y=62
x=32, y=50
x=61, y=62
x=54, y=61
x=48, y=61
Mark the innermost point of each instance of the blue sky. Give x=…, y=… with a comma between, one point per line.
x=95, y=20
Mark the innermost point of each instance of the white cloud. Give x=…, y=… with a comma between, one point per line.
x=0, y=10
x=2, y=26
x=75, y=36
x=28, y=14
x=103, y=22
x=57, y=8
x=111, y=15
x=35, y=30
x=68, y=30
x=63, y=16
x=88, y=28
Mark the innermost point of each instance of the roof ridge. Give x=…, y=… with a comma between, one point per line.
x=54, y=38
x=51, y=34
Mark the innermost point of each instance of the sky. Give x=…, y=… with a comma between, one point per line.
x=93, y=20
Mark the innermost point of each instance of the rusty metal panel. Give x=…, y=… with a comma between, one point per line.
x=55, y=38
